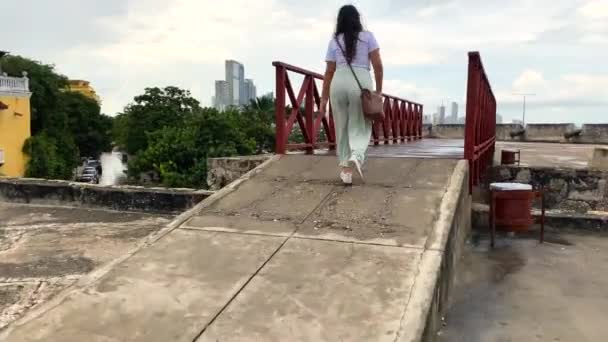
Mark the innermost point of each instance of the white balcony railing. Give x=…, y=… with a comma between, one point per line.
x=15, y=84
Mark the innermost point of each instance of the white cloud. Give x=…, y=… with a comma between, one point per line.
x=555, y=48
x=528, y=81
x=411, y=91
x=596, y=9
x=436, y=9
x=567, y=90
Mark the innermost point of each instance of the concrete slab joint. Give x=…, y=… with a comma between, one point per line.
x=285, y=243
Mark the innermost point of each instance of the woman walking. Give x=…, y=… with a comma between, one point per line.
x=350, y=45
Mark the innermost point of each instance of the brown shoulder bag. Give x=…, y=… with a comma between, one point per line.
x=372, y=102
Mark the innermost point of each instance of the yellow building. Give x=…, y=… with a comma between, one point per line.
x=84, y=87
x=15, y=119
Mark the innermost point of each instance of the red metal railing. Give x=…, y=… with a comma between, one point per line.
x=480, y=129
x=402, y=123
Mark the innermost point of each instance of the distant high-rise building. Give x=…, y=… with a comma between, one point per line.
x=251, y=91
x=498, y=118
x=441, y=114
x=235, y=76
x=222, y=95
x=454, y=114
x=235, y=90
x=428, y=119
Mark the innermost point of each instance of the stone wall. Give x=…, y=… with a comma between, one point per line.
x=503, y=132
x=589, y=134
x=592, y=134
x=427, y=130
x=548, y=132
x=448, y=131
x=450, y=255
x=577, y=190
x=223, y=171
x=124, y=198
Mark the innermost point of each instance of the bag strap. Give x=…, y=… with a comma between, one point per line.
x=349, y=65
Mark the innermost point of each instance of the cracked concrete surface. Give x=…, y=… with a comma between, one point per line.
x=45, y=249
x=288, y=255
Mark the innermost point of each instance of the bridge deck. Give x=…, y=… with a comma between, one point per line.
x=425, y=148
x=287, y=255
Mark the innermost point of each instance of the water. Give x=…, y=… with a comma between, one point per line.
x=113, y=170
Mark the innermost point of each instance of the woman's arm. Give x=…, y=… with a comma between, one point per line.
x=329, y=75
x=376, y=60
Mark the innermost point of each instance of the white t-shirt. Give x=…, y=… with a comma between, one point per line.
x=366, y=44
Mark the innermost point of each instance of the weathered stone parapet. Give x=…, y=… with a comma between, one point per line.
x=448, y=131
x=593, y=134
x=427, y=130
x=551, y=133
x=599, y=160
x=509, y=132
x=125, y=198
x=548, y=132
x=577, y=190
x=223, y=171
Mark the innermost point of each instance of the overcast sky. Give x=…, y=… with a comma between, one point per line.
x=557, y=49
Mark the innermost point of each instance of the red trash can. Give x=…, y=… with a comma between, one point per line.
x=512, y=206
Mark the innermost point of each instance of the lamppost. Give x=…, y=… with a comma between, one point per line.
x=524, y=114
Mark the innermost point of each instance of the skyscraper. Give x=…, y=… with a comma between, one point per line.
x=235, y=76
x=222, y=95
x=441, y=113
x=235, y=90
x=251, y=92
x=454, y=114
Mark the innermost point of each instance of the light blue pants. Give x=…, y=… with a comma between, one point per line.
x=353, y=131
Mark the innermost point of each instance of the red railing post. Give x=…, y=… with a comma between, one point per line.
x=480, y=128
x=387, y=119
x=396, y=120
x=401, y=123
x=409, y=126
x=281, y=135
x=309, y=111
x=420, y=121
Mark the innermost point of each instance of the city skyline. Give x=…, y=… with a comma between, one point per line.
x=235, y=89
x=125, y=46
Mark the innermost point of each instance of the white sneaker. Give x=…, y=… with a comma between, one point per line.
x=358, y=167
x=347, y=178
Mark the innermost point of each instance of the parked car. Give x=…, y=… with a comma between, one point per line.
x=89, y=175
x=94, y=163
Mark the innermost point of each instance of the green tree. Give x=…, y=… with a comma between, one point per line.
x=258, y=122
x=91, y=129
x=179, y=154
x=64, y=124
x=49, y=157
x=155, y=109
x=45, y=85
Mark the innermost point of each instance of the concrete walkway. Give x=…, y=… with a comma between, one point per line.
x=523, y=291
x=286, y=254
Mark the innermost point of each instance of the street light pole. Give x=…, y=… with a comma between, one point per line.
x=524, y=109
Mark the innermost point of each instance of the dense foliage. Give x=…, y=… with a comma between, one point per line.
x=64, y=125
x=175, y=145
x=164, y=130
